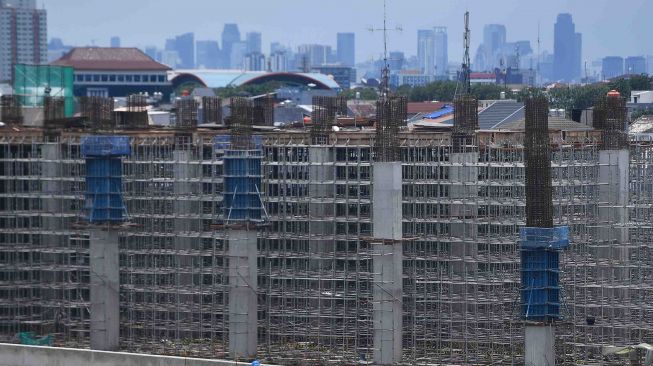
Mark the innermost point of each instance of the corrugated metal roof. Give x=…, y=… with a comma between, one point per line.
x=109, y=58
x=500, y=112
x=214, y=78
x=555, y=123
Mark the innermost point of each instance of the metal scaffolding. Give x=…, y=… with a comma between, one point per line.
x=461, y=219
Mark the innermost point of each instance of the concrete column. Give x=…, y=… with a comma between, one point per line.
x=613, y=212
x=464, y=211
x=540, y=345
x=387, y=262
x=243, y=315
x=185, y=210
x=51, y=222
x=321, y=206
x=105, y=289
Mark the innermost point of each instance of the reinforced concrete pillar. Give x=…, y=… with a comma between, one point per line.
x=105, y=289
x=540, y=345
x=321, y=207
x=387, y=262
x=243, y=315
x=464, y=211
x=613, y=211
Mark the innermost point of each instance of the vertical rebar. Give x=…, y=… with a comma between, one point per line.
x=11, y=111
x=465, y=123
x=610, y=118
x=186, y=112
x=212, y=107
x=323, y=118
x=537, y=156
x=264, y=111
x=241, y=119
x=391, y=113
x=98, y=111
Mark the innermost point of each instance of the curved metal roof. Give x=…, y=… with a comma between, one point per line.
x=224, y=78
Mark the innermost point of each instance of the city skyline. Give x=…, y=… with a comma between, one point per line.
x=276, y=23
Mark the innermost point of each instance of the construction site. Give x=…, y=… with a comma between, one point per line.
x=313, y=246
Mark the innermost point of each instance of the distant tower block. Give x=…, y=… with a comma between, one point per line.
x=242, y=212
x=104, y=208
x=540, y=242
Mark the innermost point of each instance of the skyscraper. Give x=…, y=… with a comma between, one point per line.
x=23, y=35
x=230, y=35
x=613, y=66
x=635, y=65
x=494, y=42
x=185, y=47
x=314, y=54
x=115, y=41
x=237, y=56
x=441, y=53
x=426, y=51
x=253, y=40
x=346, y=49
x=208, y=54
x=567, y=45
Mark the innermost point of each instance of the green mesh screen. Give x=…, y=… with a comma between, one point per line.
x=33, y=82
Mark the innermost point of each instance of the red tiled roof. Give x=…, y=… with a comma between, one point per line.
x=107, y=58
x=424, y=107
x=482, y=75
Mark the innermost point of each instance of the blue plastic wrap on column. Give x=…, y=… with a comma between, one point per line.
x=540, y=271
x=242, y=182
x=104, y=201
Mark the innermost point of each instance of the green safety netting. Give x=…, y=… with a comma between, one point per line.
x=33, y=82
x=30, y=339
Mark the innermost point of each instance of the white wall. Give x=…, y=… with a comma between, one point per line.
x=20, y=355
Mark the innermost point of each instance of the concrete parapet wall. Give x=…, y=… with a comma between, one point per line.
x=20, y=355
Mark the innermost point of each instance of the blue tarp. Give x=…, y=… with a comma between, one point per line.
x=105, y=146
x=443, y=111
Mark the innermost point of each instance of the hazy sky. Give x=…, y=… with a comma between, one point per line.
x=609, y=27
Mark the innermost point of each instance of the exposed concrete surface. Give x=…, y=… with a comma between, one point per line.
x=540, y=342
x=20, y=355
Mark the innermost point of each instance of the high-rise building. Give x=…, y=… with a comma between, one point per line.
x=314, y=54
x=230, y=35
x=208, y=54
x=253, y=40
x=567, y=45
x=426, y=51
x=613, y=66
x=153, y=52
x=346, y=49
x=649, y=64
x=237, y=56
x=23, y=35
x=276, y=46
x=635, y=65
x=185, y=47
x=278, y=61
x=494, y=41
x=441, y=52
x=396, y=60
x=56, y=49
x=254, y=61
x=115, y=41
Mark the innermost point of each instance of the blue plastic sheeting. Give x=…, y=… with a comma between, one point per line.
x=104, y=201
x=223, y=142
x=105, y=146
x=242, y=182
x=540, y=284
x=540, y=271
x=443, y=111
x=544, y=238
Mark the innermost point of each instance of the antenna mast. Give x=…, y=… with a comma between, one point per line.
x=466, y=62
x=385, y=73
